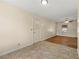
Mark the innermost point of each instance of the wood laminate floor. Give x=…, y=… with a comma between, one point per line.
x=67, y=41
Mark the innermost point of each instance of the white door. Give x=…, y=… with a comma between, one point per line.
x=36, y=29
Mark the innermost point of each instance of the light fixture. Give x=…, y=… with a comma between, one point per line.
x=66, y=21
x=44, y=2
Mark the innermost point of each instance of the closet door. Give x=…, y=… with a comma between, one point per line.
x=43, y=29
x=36, y=29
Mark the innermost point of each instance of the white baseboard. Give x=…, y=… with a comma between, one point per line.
x=66, y=36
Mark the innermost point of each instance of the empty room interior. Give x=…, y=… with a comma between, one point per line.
x=38, y=29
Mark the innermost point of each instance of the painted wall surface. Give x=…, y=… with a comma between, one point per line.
x=19, y=28
x=78, y=43
x=78, y=27
x=15, y=28
x=72, y=29
x=78, y=37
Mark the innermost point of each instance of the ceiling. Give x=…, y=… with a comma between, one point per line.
x=56, y=10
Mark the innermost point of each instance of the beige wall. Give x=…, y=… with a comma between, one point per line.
x=78, y=37
x=15, y=27
x=18, y=26
x=72, y=29
x=78, y=27
x=78, y=44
